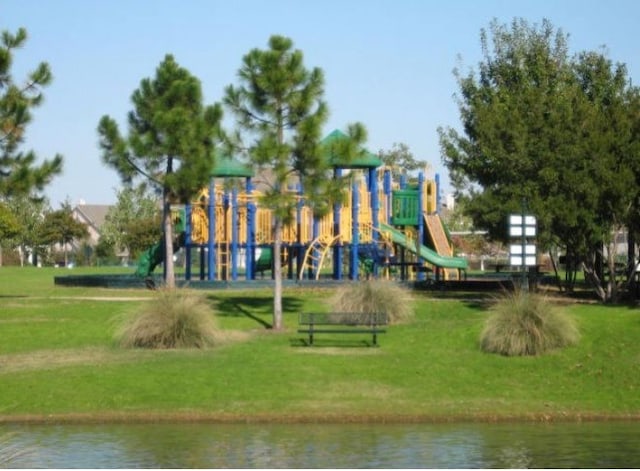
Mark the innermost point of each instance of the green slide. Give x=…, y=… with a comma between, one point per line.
x=426, y=253
x=150, y=259
x=264, y=260
x=154, y=255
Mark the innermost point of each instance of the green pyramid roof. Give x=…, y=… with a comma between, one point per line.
x=364, y=159
x=227, y=166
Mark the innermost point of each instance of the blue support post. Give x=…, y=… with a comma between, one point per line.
x=187, y=241
x=234, y=234
x=355, y=230
x=225, y=254
x=211, y=246
x=250, y=261
x=203, y=263
x=375, y=211
x=337, y=249
x=298, y=248
x=387, y=193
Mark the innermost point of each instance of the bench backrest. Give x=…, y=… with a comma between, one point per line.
x=343, y=318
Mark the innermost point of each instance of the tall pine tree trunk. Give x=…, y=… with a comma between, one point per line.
x=277, y=274
x=167, y=229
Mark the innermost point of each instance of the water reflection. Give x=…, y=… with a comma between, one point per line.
x=587, y=445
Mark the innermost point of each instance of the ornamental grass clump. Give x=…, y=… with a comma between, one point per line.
x=173, y=319
x=524, y=323
x=374, y=296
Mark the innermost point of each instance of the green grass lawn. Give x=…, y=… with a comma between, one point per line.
x=59, y=361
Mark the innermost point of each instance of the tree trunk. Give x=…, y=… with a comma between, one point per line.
x=631, y=262
x=555, y=271
x=167, y=229
x=277, y=274
x=612, y=282
x=592, y=277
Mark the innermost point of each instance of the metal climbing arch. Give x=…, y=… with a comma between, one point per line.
x=316, y=254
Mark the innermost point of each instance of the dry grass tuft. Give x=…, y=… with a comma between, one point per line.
x=375, y=296
x=173, y=319
x=524, y=323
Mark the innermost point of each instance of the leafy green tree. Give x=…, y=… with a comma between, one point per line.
x=105, y=252
x=30, y=211
x=456, y=218
x=61, y=227
x=612, y=153
x=401, y=160
x=9, y=227
x=19, y=172
x=133, y=223
x=141, y=234
x=535, y=132
x=633, y=217
x=280, y=103
x=170, y=142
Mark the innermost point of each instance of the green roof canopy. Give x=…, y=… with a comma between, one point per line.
x=226, y=166
x=332, y=144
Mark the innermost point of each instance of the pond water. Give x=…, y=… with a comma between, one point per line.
x=577, y=445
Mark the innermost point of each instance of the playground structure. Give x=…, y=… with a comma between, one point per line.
x=383, y=229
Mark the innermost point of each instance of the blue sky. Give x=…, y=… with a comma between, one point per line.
x=387, y=63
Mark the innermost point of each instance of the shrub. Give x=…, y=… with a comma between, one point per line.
x=525, y=323
x=173, y=319
x=374, y=296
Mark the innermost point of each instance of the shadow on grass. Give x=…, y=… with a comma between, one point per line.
x=332, y=342
x=254, y=308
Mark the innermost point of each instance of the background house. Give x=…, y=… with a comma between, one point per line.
x=93, y=216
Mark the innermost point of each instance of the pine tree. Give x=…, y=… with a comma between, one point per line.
x=170, y=142
x=19, y=171
x=280, y=103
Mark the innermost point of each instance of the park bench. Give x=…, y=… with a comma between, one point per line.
x=313, y=323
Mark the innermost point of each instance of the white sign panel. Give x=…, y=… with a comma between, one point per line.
x=517, y=225
x=516, y=249
x=516, y=260
x=515, y=231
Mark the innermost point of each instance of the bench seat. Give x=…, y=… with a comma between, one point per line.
x=312, y=323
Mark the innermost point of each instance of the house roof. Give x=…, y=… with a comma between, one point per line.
x=93, y=214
